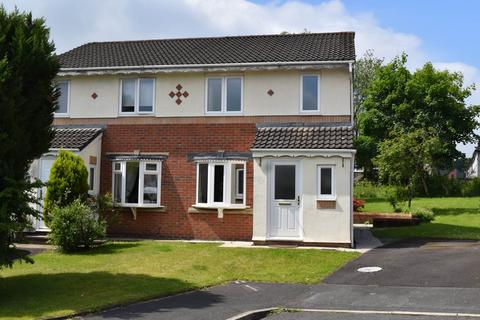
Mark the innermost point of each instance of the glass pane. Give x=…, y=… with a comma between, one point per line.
x=150, y=188
x=310, y=93
x=214, y=98
x=285, y=182
x=117, y=187
x=218, y=183
x=62, y=103
x=91, y=180
x=131, y=184
x=117, y=166
x=202, y=183
x=240, y=182
x=146, y=95
x=326, y=181
x=151, y=167
x=234, y=94
x=128, y=95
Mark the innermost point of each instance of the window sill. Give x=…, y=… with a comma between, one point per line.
x=134, y=114
x=61, y=115
x=159, y=208
x=215, y=209
x=222, y=114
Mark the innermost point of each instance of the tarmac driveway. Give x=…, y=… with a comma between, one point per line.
x=416, y=263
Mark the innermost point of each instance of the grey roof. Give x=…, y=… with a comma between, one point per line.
x=74, y=137
x=304, y=137
x=307, y=47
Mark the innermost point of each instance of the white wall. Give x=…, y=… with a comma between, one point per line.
x=94, y=149
x=319, y=225
x=334, y=93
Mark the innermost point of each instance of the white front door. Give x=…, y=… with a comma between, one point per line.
x=284, y=219
x=45, y=166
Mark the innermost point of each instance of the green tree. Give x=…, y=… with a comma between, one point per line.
x=406, y=157
x=365, y=71
x=68, y=181
x=429, y=99
x=28, y=66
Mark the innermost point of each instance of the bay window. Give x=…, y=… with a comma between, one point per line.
x=224, y=95
x=221, y=184
x=137, y=96
x=136, y=183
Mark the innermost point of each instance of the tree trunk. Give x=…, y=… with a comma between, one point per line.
x=425, y=186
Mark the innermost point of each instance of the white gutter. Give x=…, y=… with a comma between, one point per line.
x=214, y=65
x=306, y=150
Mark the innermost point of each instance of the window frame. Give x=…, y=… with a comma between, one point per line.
x=333, y=195
x=223, y=98
x=237, y=179
x=228, y=166
x=67, y=113
x=142, y=173
x=91, y=179
x=318, y=92
x=136, y=107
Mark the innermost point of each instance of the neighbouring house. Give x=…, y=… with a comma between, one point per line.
x=231, y=138
x=473, y=170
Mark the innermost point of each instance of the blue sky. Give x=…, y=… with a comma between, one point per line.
x=444, y=32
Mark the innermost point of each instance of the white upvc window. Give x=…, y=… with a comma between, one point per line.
x=137, y=183
x=63, y=102
x=309, y=93
x=221, y=184
x=224, y=95
x=137, y=96
x=326, y=182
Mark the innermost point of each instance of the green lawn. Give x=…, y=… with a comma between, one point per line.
x=59, y=284
x=455, y=218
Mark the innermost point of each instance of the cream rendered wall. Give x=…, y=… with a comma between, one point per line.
x=334, y=93
x=319, y=225
x=94, y=149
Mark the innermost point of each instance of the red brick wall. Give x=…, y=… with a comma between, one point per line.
x=178, y=185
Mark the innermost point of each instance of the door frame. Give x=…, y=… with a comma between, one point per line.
x=270, y=197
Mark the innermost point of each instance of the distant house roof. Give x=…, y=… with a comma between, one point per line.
x=304, y=137
x=74, y=137
x=308, y=47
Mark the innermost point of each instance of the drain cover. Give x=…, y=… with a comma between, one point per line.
x=369, y=269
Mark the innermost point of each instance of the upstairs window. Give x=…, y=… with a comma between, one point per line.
x=326, y=182
x=137, y=96
x=310, y=97
x=221, y=184
x=224, y=95
x=136, y=183
x=63, y=99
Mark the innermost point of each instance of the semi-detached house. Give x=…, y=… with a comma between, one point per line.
x=232, y=138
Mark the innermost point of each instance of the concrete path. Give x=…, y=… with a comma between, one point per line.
x=34, y=248
x=314, y=315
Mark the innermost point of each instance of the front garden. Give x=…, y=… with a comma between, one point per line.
x=60, y=284
x=454, y=217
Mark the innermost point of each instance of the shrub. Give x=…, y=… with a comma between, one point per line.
x=368, y=190
x=358, y=204
x=68, y=181
x=424, y=214
x=471, y=188
x=75, y=226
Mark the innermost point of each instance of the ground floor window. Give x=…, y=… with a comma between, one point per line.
x=326, y=182
x=136, y=183
x=221, y=183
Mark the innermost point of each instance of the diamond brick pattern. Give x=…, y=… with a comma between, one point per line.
x=337, y=46
x=94, y=96
x=270, y=92
x=74, y=137
x=306, y=137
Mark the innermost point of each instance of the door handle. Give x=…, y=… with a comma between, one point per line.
x=298, y=200
x=284, y=203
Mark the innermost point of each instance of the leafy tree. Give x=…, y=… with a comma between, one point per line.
x=398, y=101
x=28, y=66
x=365, y=70
x=68, y=181
x=406, y=157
